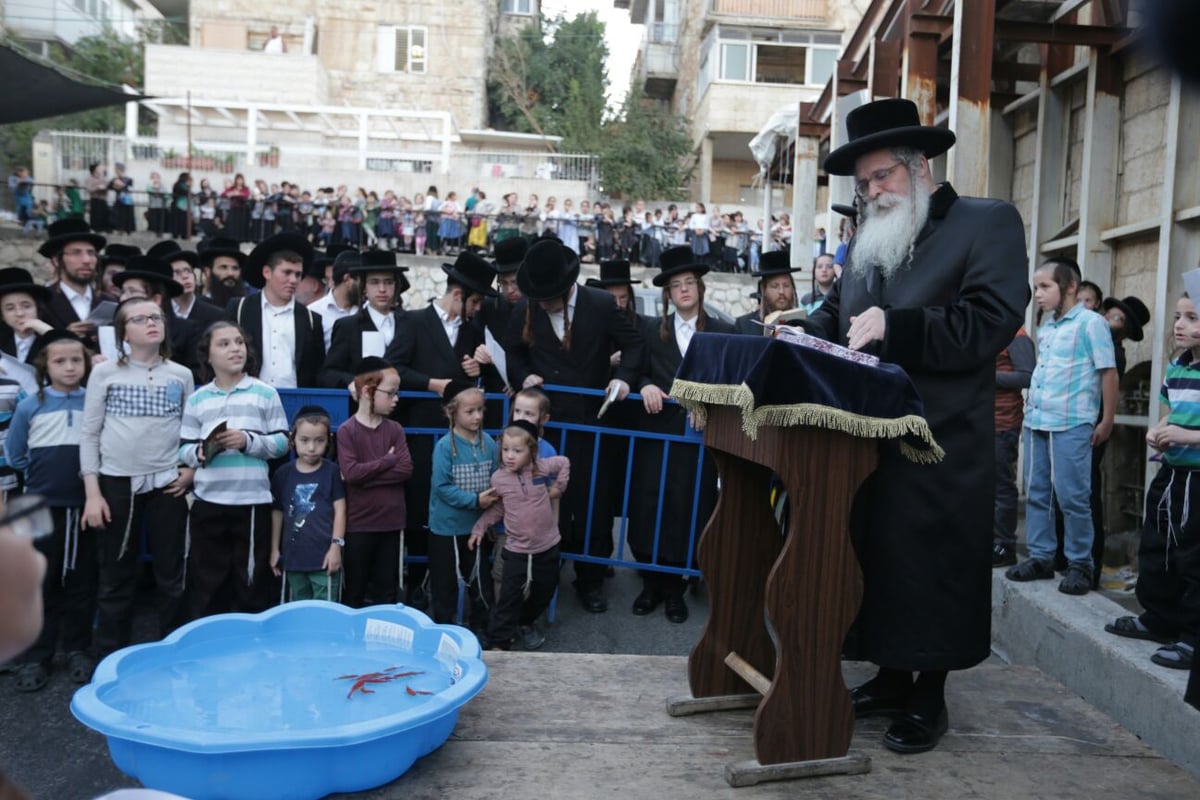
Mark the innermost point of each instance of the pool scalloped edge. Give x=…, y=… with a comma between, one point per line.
x=136, y=746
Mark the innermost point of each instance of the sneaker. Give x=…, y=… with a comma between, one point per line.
x=531, y=637
x=1031, y=569
x=1003, y=555
x=1077, y=581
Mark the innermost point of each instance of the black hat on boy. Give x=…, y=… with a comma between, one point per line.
x=548, y=271
x=150, y=269
x=168, y=251
x=119, y=253
x=675, y=260
x=220, y=246
x=252, y=269
x=454, y=388
x=894, y=122
x=58, y=335
x=65, y=231
x=371, y=364
x=17, y=279
x=510, y=253
x=526, y=426
x=776, y=262
x=382, y=261
x=473, y=272
x=1137, y=316
x=612, y=273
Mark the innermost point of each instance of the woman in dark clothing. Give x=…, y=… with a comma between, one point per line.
x=237, y=221
x=181, y=206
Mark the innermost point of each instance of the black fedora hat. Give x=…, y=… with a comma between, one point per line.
x=120, y=253
x=377, y=261
x=16, y=279
x=343, y=262
x=775, y=262
x=69, y=230
x=329, y=255
x=220, y=246
x=894, y=122
x=252, y=269
x=510, y=253
x=169, y=251
x=150, y=268
x=1137, y=316
x=548, y=271
x=473, y=272
x=612, y=273
x=675, y=260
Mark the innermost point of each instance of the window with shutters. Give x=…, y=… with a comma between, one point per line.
x=524, y=7
x=402, y=49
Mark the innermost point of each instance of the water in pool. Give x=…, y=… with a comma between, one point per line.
x=291, y=683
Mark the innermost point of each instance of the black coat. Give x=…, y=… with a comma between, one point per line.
x=310, y=336
x=748, y=324
x=60, y=313
x=923, y=533
x=204, y=313
x=676, y=528
x=345, y=347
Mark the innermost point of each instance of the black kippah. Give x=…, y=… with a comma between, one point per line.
x=526, y=426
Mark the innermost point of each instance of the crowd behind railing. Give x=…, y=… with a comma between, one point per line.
x=424, y=224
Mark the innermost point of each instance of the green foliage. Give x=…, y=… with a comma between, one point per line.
x=549, y=79
x=645, y=151
x=104, y=58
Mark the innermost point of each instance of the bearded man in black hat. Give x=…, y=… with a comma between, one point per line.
x=776, y=288
x=562, y=333
x=72, y=248
x=937, y=284
x=221, y=263
x=188, y=304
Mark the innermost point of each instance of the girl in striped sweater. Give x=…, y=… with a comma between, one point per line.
x=232, y=427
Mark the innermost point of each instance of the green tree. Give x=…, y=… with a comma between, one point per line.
x=645, y=151
x=105, y=58
x=549, y=79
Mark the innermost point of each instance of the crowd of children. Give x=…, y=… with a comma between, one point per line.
x=115, y=451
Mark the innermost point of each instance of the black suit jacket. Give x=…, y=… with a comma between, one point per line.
x=345, y=347
x=60, y=313
x=204, y=313
x=598, y=327
x=421, y=351
x=310, y=336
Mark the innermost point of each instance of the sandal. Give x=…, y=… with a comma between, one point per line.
x=32, y=678
x=1131, y=628
x=80, y=667
x=1174, y=656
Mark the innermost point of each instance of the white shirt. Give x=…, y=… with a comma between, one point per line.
x=279, y=344
x=180, y=311
x=384, y=323
x=557, y=319
x=273, y=45
x=23, y=346
x=684, y=330
x=82, y=303
x=451, y=326
x=330, y=313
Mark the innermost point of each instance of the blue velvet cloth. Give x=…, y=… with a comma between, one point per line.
x=786, y=383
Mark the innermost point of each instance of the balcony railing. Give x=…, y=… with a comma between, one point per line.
x=779, y=9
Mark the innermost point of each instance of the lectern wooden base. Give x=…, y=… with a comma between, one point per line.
x=783, y=605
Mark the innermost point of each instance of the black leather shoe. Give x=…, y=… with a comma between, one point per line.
x=868, y=703
x=646, y=602
x=677, y=610
x=916, y=733
x=592, y=600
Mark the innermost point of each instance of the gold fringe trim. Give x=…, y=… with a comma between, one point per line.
x=695, y=396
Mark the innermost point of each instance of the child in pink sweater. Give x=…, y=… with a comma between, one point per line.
x=525, y=487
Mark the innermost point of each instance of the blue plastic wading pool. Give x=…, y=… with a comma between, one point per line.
x=301, y=701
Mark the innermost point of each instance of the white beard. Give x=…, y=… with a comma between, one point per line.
x=890, y=225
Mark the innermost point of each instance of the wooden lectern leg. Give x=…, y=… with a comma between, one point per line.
x=748, y=773
x=735, y=553
x=812, y=596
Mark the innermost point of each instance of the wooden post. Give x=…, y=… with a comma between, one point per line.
x=970, y=94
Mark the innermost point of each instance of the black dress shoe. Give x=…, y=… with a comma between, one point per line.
x=677, y=610
x=916, y=733
x=646, y=602
x=869, y=703
x=592, y=600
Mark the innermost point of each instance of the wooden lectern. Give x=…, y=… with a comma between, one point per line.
x=780, y=606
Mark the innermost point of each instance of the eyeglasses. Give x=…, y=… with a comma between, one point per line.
x=28, y=517
x=393, y=394
x=877, y=177
x=689, y=283
x=182, y=272
x=146, y=319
